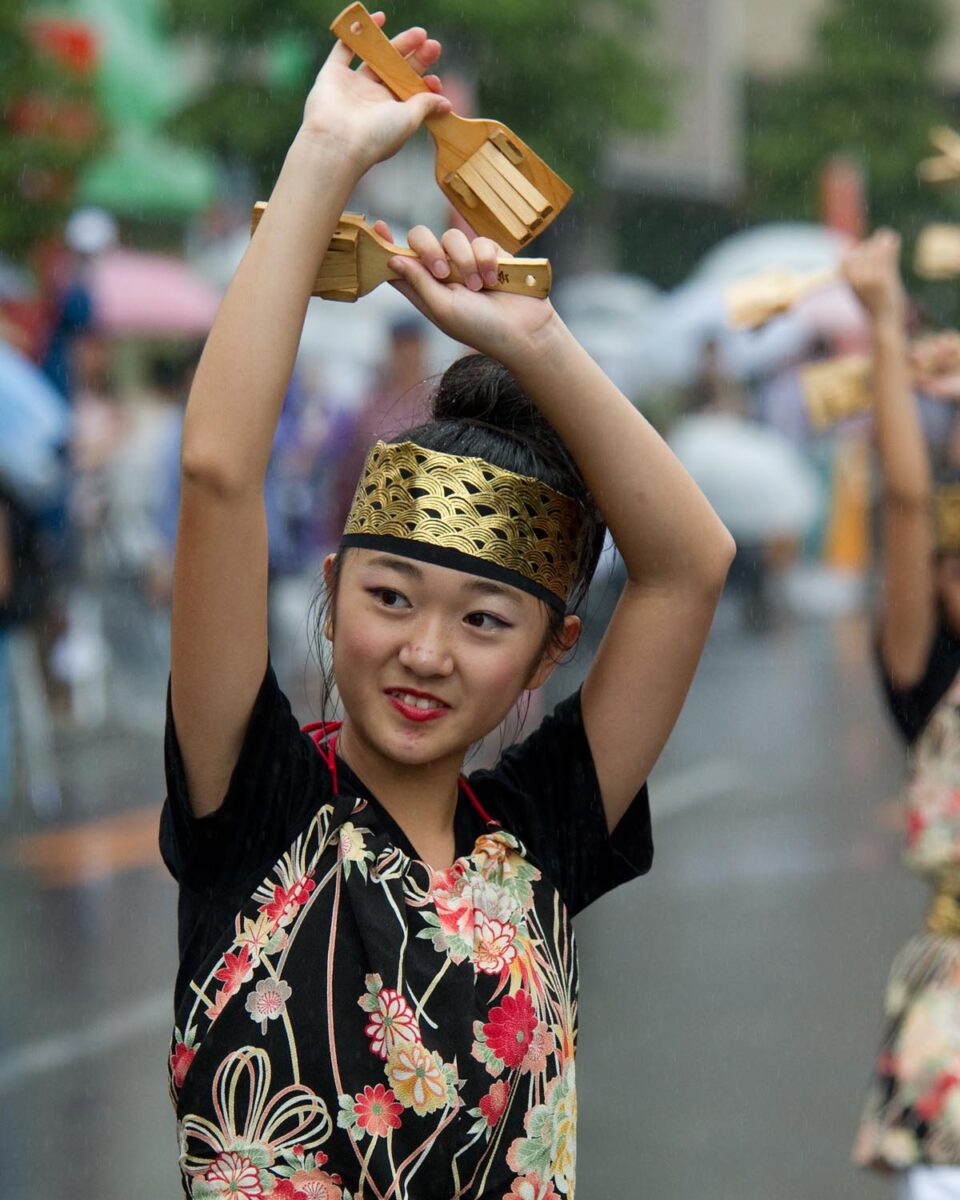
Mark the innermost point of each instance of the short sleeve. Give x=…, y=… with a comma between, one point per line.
x=911, y=707
x=545, y=790
x=277, y=784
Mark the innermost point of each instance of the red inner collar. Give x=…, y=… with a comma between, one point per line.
x=323, y=734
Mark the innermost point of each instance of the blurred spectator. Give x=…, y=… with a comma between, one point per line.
x=89, y=232
x=714, y=389
x=25, y=719
x=398, y=400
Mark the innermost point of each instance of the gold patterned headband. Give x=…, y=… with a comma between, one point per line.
x=467, y=514
x=947, y=518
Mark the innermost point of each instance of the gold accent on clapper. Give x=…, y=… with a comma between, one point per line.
x=947, y=517
x=512, y=522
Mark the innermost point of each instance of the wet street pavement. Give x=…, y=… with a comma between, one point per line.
x=730, y=1000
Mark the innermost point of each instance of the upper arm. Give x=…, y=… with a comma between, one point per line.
x=908, y=617
x=219, y=631
x=638, y=682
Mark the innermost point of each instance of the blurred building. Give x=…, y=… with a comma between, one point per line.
x=779, y=38
x=697, y=46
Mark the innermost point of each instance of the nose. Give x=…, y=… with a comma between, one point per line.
x=426, y=651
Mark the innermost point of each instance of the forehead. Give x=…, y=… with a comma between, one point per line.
x=434, y=578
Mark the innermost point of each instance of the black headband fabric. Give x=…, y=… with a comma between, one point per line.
x=456, y=560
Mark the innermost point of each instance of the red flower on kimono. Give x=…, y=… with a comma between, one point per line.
x=511, y=1028
x=180, y=1061
x=930, y=1106
x=283, y=907
x=377, y=1110
x=286, y=1191
x=916, y=824
x=495, y=1101
x=236, y=970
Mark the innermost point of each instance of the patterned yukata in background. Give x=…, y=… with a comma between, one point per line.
x=351, y=1023
x=912, y=1112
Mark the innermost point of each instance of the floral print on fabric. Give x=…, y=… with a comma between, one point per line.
x=375, y=1027
x=912, y=1111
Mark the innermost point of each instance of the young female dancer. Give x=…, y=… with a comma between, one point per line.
x=911, y=1122
x=378, y=986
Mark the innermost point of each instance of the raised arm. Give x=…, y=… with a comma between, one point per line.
x=908, y=614
x=219, y=639
x=676, y=550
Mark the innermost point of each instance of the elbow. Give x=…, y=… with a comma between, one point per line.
x=203, y=469
x=718, y=558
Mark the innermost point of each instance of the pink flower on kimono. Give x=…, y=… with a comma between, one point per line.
x=317, y=1185
x=268, y=1000
x=916, y=824
x=377, y=1110
x=530, y=1187
x=234, y=1175
x=542, y=1043
x=393, y=1023
x=180, y=1061
x=493, y=948
x=450, y=893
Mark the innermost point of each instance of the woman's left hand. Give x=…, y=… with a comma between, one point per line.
x=497, y=323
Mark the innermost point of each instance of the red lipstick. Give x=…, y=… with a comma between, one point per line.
x=404, y=700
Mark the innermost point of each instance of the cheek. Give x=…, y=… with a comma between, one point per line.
x=503, y=674
x=358, y=644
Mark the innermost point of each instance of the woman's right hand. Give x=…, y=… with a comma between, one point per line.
x=872, y=269
x=354, y=110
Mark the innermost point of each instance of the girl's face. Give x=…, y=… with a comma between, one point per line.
x=427, y=659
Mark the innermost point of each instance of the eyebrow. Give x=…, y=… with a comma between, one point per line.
x=477, y=585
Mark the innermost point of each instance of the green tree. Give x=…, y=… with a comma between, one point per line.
x=49, y=130
x=563, y=73
x=869, y=93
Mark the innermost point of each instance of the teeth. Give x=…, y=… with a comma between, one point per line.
x=421, y=702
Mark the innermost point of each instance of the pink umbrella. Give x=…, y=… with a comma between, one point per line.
x=138, y=294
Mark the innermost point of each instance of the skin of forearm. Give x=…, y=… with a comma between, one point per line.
x=662, y=524
x=249, y=355
x=900, y=442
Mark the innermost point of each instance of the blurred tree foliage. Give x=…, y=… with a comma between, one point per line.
x=870, y=93
x=49, y=130
x=562, y=73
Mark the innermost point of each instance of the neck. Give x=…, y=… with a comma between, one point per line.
x=421, y=797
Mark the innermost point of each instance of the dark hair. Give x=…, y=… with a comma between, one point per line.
x=479, y=411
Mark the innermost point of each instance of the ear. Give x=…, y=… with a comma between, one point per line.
x=572, y=625
x=328, y=579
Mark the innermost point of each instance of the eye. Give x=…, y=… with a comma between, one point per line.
x=389, y=597
x=485, y=621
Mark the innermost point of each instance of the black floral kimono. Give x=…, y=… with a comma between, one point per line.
x=351, y=1023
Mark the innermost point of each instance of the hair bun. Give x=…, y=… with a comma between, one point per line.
x=480, y=411
x=479, y=389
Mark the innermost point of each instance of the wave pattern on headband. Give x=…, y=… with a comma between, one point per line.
x=468, y=514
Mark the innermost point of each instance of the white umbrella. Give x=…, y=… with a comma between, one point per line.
x=607, y=312
x=759, y=485
x=671, y=344
x=787, y=245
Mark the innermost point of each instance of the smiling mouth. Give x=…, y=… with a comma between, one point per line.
x=417, y=700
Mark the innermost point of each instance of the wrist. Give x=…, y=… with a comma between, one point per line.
x=329, y=153
x=540, y=345
x=888, y=328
